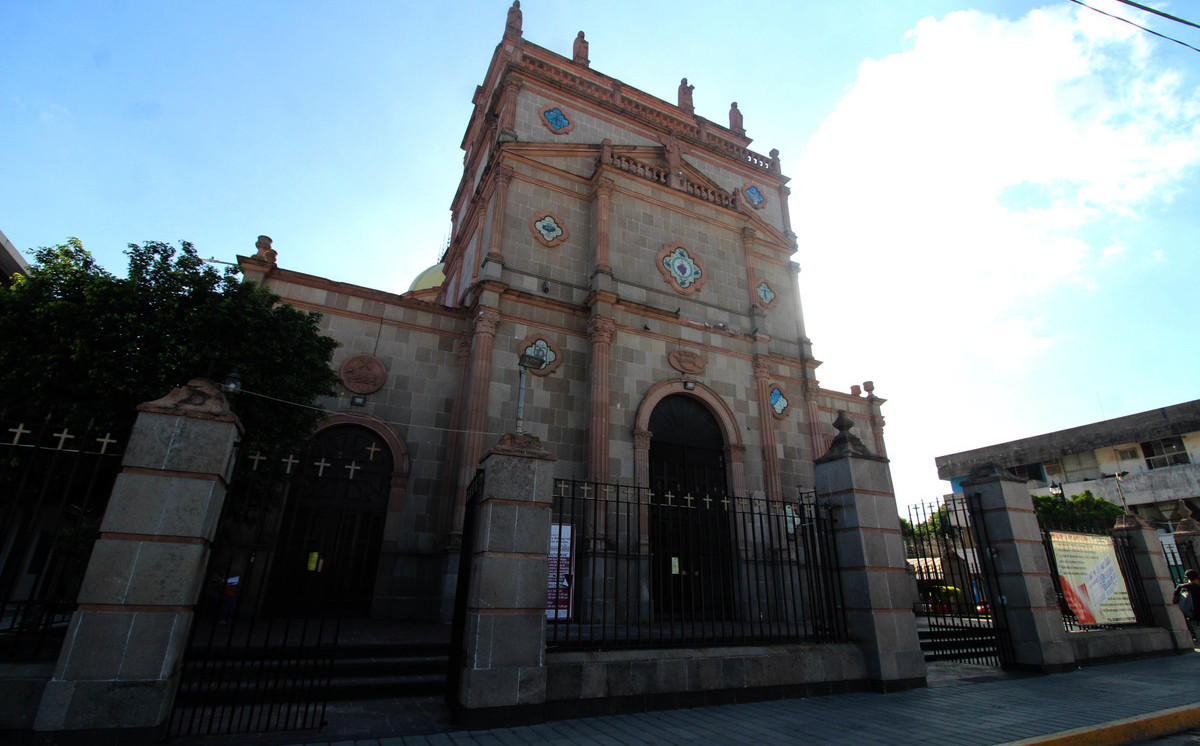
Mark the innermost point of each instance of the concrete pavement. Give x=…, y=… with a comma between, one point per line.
x=1127, y=702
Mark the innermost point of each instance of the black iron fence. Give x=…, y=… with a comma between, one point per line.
x=55, y=482
x=1097, y=581
x=630, y=568
x=958, y=602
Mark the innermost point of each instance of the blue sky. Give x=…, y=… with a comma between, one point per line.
x=995, y=201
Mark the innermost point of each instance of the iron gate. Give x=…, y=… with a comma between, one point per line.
x=959, y=607
x=295, y=552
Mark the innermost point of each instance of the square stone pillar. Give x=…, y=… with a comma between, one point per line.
x=876, y=589
x=1002, y=511
x=119, y=667
x=1157, y=584
x=502, y=677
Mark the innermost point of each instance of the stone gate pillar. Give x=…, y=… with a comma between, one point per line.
x=1157, y=585
x=1003, y=509
x=875, y=585
x=119, y=667
x=503, y=670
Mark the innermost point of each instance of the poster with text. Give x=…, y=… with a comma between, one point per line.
x=1091, y=578
x=562, y=572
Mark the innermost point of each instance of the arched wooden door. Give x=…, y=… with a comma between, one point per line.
x=692, y=555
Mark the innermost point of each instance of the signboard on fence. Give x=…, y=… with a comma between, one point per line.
x=1091, y=578
x=562, y=572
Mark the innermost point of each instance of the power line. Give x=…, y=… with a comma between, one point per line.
x=1148, y=9
x=1143, y=28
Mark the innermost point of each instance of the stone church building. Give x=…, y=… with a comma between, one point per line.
x=642, y=254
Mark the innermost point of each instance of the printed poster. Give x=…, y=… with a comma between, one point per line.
x=1091, y=578
x=562, y=572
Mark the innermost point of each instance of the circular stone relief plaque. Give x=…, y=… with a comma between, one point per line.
x=363, y=374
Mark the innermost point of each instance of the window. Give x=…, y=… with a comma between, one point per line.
x=1165, y=452
x=1127, y=454
x=1029, y=472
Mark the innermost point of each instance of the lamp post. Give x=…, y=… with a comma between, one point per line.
x=527, y=361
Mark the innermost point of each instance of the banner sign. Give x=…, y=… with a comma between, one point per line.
x=1091, y=578
x=562, y=572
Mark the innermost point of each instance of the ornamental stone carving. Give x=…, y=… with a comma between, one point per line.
x=363, y=374
x=686, y=361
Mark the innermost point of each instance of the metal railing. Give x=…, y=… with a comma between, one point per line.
x=55, y=482
x=630, y=568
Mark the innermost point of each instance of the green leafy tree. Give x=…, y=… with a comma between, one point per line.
x=1084, y=512
x=79, y=345
x=937, y=526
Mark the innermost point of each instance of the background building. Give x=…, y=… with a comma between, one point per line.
x=1149, y=461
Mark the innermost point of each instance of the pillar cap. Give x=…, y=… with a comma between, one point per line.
x=523, y=445
x=200, y=398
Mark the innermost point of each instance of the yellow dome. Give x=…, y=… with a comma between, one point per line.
x=429, y=279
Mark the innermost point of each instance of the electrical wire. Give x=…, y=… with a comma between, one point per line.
x=1168, y=16
x=1136, y=25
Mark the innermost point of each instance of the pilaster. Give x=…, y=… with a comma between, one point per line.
x=762, y=381
x=475, y=423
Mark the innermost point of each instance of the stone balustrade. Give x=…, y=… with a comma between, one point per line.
x=658, y=175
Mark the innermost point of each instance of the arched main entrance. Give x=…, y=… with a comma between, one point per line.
x=691, y=549
x=332, y=528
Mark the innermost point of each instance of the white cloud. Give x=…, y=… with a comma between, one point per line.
x=951, y=189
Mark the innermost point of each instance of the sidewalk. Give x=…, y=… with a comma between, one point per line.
x=963, y=705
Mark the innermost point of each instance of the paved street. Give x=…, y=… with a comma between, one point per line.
x=963, y=705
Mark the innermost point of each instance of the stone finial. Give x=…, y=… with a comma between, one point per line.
x=1181, y=511
x=846, y=443
x=856, y=390
x=735, y=119
x=775, y=165
x=579, y=53
x=685, y=97
x=265, y=252
x=512, y=26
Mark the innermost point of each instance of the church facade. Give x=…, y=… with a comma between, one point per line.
x=635, y=259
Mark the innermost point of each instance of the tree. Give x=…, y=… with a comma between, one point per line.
x=78, y=344
x=1084, y=512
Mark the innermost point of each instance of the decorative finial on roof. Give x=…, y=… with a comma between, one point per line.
x=579, y=54
x=265, y=252
x=513, y=26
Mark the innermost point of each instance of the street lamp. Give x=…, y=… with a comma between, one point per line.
x=528, y=361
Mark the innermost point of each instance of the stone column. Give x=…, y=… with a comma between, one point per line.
x=600, y=331
x=604, y=190
x=486, y=321
x=119, y=667
x=499, y=204
x=1002, y=511
x=877, y=591
x=1157, y=584
x=766, y=418
x=508, y=111
x=503, y=674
